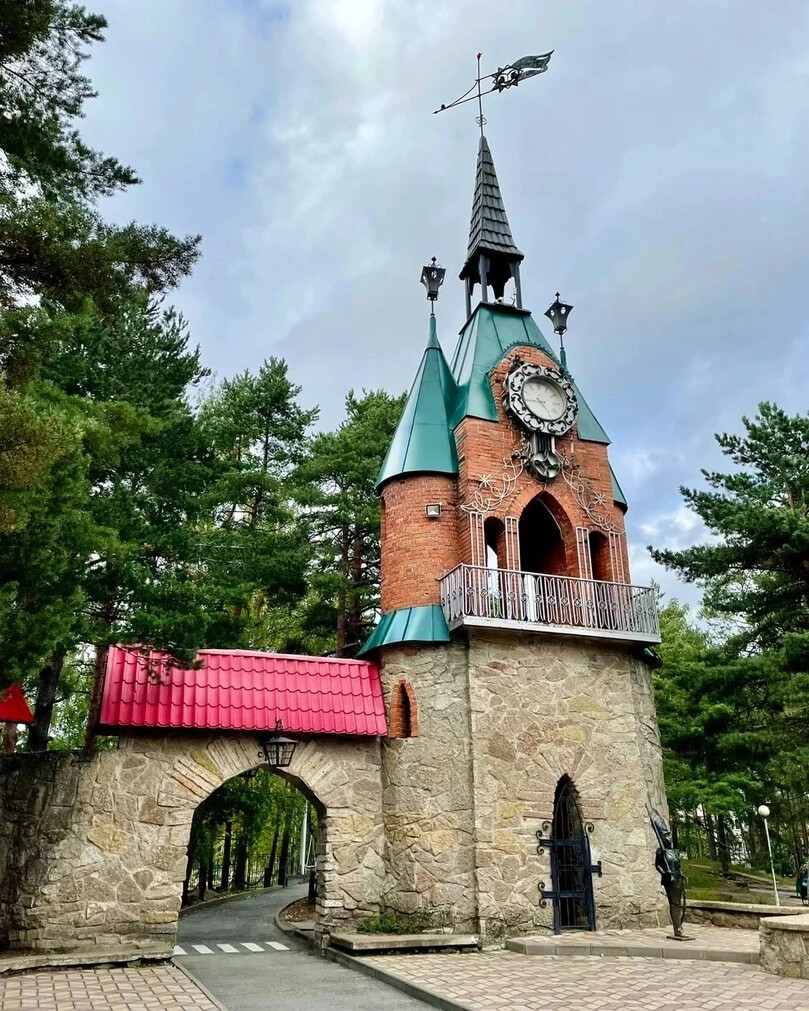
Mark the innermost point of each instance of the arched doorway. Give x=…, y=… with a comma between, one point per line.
x=571, y=863
x=542, y=547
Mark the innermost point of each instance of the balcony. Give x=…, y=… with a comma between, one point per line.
x=473, y=596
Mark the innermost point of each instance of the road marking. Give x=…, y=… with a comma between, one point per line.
x=277, y=945
x=228, y=948
x=203, y=949
x=251, y=946
x=178, y=950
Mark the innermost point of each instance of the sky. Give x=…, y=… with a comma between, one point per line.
x=656, y=176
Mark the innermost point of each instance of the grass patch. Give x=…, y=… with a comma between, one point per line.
x=392, y=923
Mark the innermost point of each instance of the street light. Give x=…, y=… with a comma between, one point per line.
x=764, y=811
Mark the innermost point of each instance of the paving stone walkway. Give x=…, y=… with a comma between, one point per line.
x=505, y=981
x=158, y=988
x=718, y=944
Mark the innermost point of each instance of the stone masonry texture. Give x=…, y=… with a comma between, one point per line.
x=502, y=719
x=93, y=849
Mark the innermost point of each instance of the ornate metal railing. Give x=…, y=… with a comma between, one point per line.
x=563, y=602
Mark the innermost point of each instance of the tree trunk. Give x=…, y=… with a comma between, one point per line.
x=239, y=877
x=203, y=877
x=99, y=671
x=675, y=833
x=724, y=848
x=9, y=738
x=38, y=732
x=341, y=593
x=225, y=883
x=354, y=607
x=711, y=837
x=268, y=870
x=283, y=859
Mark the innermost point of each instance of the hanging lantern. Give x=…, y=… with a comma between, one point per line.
x=277, y=750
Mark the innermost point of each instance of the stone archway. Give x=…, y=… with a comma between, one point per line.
x=94, y=853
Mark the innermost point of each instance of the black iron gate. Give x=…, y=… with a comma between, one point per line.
x=572, y=869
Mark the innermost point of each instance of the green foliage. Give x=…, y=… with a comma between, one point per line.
x=731, y=706
x=392, y=923
x=336, y=487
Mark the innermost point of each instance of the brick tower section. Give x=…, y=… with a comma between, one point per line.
x=416, y=550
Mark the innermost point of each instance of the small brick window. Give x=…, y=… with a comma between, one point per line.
x=404, y=711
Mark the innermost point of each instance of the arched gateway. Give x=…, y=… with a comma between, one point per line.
x=93, y=849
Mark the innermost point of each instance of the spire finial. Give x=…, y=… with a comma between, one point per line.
x=558, y=313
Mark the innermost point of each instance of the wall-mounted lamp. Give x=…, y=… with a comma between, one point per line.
x=432, y=510
x=277, y=750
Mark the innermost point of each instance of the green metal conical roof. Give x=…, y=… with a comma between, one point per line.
x=490, y=333
x=617, y=491
x=423, y=441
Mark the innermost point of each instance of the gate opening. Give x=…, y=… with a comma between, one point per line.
x=571, y=864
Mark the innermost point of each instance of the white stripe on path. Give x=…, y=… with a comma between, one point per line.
x=251, y=946
x=228, y=948
x=203, y=949
x=277, y=945
x=178, y=950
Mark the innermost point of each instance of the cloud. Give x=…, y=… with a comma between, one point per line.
x=655, y=176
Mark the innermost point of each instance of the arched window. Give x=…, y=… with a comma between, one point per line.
x=404, y=712
x=600, y=556
x=542, y=547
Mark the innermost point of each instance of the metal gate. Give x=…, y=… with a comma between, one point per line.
x=572, y=868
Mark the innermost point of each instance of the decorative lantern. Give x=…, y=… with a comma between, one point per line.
x=558, y=314
x=432, y=277
x=277, y=750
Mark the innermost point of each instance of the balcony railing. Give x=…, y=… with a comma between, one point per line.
x=506, y=598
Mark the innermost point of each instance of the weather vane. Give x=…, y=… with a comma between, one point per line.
x=503, y=78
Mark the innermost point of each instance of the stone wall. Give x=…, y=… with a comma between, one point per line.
x=543, y=707
x=501, y=719
x=427, y=791
x=93, y=849
x=784, y=946
x=738, y=915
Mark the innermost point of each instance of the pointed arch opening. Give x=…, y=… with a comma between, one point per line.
x=571, y=867
x=542, y=542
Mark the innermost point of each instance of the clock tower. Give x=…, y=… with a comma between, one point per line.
x=515, y=651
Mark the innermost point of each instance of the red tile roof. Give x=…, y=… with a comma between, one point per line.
x=242, y=690
x=13, y=707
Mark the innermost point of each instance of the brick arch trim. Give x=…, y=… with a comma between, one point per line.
x=403, y=718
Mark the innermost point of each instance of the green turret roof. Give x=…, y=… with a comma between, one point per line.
x=617, y=492
x=423, y=441
x=490, y=332
x=410, y=624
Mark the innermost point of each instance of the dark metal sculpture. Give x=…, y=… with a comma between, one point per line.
x=668, y=864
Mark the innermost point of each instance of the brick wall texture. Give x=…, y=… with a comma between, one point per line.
x=417, y=552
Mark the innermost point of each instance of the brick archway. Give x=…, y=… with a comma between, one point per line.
x=99, y=860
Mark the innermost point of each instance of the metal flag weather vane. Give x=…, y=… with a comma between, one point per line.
x=503, y=78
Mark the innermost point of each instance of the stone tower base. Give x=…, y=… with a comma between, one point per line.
x=502, y=717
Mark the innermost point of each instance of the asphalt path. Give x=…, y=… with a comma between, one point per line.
x=251, y=965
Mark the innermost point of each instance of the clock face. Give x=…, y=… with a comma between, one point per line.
x=544, y=398
x=541, y=398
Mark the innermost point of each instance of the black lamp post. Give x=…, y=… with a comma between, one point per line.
x=432, y=277
x=558, y=314
x=277, y=750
